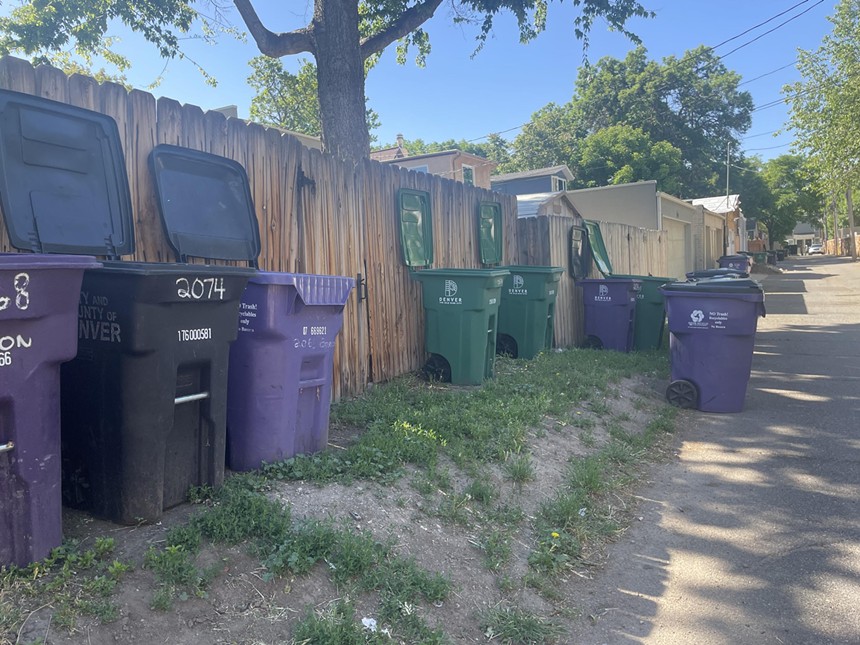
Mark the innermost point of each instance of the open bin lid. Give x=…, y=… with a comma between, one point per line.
x=205, y=204
x=63, y=183
x=598, y=248
x=490, y=232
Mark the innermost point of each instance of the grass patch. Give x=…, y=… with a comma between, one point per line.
x=512, y=625
x=409, y=421
x=73, y=581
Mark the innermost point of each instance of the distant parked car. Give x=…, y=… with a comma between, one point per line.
x=815, y=249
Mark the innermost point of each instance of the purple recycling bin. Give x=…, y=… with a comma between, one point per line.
x=38, y=331
x=280, y=374
x=712, y=325
x=610, y=312
x=741, y=263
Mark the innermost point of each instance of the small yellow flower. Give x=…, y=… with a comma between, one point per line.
x=555, y=535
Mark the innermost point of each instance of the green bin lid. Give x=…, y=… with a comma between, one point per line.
x=598, y=248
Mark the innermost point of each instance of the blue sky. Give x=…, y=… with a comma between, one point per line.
x=460, y=97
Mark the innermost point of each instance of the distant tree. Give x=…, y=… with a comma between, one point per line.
x=622, y=154
x=289, y=100
x=551, y=138
x=794, y=196
x=692, y=102
x=342, y=37
x=825, y=106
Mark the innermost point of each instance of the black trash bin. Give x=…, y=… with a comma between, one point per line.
x=143, y=405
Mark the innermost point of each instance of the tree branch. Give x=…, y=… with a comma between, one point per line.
x=271, y=43
x=408, y=22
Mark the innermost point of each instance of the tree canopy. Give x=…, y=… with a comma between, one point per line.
x=342, y=36
x=792, y=197
x=289, y=100
x=825, y=107
x=691, y=104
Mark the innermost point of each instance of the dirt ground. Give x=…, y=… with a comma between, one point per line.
x=242, y=608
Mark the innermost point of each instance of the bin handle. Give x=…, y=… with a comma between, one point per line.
x=188, y=398
x=6, y=447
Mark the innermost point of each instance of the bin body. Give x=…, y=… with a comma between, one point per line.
x=739, y=262
x=281, y=367
x=760, y=257
x=650, y=311
x=527, y=310
x=711, y=338
x=144, y=403
x=38, y=331
x=461, y=308
x=610, y=311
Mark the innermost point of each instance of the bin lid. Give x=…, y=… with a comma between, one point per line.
x=721, y=284
x=63, y=184
x=312, y=289
x=205, y=204
x=598, y=247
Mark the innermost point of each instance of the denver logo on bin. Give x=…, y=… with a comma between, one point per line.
x=603, y=294
x=450, y=294
x=517, y=289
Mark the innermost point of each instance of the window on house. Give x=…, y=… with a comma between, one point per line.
x=468, y=175
x=423, y=168
x=558, y=184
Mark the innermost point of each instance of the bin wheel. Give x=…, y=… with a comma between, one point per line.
x=506, y=346
x=437, y=369
x=592, y=342
x=682, y=394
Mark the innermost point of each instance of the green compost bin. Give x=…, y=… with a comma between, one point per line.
x=461, y=308
x=650, y=310
x=760, y=257
x=527, y=310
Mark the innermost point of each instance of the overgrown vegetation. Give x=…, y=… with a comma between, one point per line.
x=457, y=443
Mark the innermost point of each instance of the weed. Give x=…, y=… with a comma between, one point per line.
x=520, y=468
x=514, y=625
x=455, y=509
x=586, y=436
x=555, y=552
x=336, y=625
x=481, y=490
x=496, y=546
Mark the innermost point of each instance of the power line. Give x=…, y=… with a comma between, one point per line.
x=770, y=148
x=773, y=71
x=760, y=134
x=770, y=31
x=728, y=40
x=761, y=24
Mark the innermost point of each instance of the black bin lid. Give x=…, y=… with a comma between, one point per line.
x=205, y=204
x=63, y=184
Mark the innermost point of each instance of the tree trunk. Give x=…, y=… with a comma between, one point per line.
x=340, y=79
x=852, y=240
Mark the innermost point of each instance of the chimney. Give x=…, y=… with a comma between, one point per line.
x=399, y=140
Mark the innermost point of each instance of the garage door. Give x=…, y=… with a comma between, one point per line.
x=679, y=262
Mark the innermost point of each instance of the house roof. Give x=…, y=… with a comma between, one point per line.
x=719, y=204
x=536, y=204
x=540, y=172
x=443, y=153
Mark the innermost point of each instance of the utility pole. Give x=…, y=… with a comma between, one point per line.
x=852, y=241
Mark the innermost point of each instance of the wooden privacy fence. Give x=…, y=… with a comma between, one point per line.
x=635, y=251
x=544, y=241
x=316, y=214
